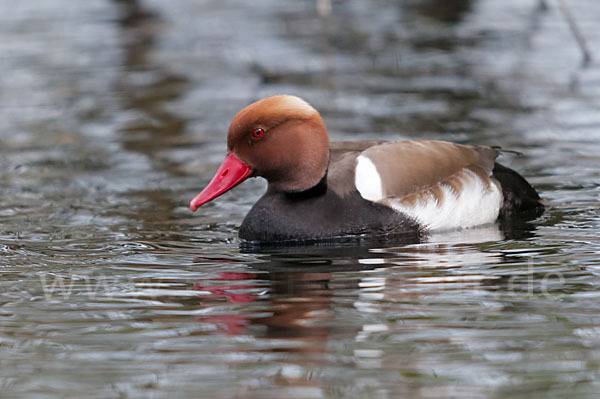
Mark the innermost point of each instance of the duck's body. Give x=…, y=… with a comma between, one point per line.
x=320, y=190
x=320, y=213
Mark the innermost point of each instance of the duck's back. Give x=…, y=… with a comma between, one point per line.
x=439, y=184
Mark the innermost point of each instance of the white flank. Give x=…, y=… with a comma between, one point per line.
x=476, y=204
x=367, y=179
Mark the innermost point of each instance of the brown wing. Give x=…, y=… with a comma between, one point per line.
x=412, y=166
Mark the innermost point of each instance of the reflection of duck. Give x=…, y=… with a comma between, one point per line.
x=299, y=281
x=319, y=190
x=295, y=302
x=302, y=304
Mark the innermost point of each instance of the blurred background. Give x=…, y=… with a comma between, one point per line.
x=113, y=115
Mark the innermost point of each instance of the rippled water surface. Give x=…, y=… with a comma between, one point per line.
x=113, y=115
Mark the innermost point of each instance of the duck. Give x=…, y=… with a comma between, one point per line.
x=321, y=190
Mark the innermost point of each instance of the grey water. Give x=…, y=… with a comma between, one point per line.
x=113, y=115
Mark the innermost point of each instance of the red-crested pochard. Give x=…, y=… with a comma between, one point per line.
x=320, y=190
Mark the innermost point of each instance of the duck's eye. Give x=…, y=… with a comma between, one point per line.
x=258, y=133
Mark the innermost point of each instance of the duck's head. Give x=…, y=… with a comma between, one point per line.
x=281, y=138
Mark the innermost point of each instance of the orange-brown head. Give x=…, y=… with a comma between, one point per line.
x=281, y=138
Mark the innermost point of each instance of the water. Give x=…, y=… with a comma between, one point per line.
x=113, y=115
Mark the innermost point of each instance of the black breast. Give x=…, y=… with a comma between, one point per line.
x=320, y=214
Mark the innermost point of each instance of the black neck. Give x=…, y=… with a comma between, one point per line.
x=318, y=189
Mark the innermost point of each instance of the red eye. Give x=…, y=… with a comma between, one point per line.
x=258, y=132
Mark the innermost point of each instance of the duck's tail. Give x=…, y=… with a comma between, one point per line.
x=518, y=194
